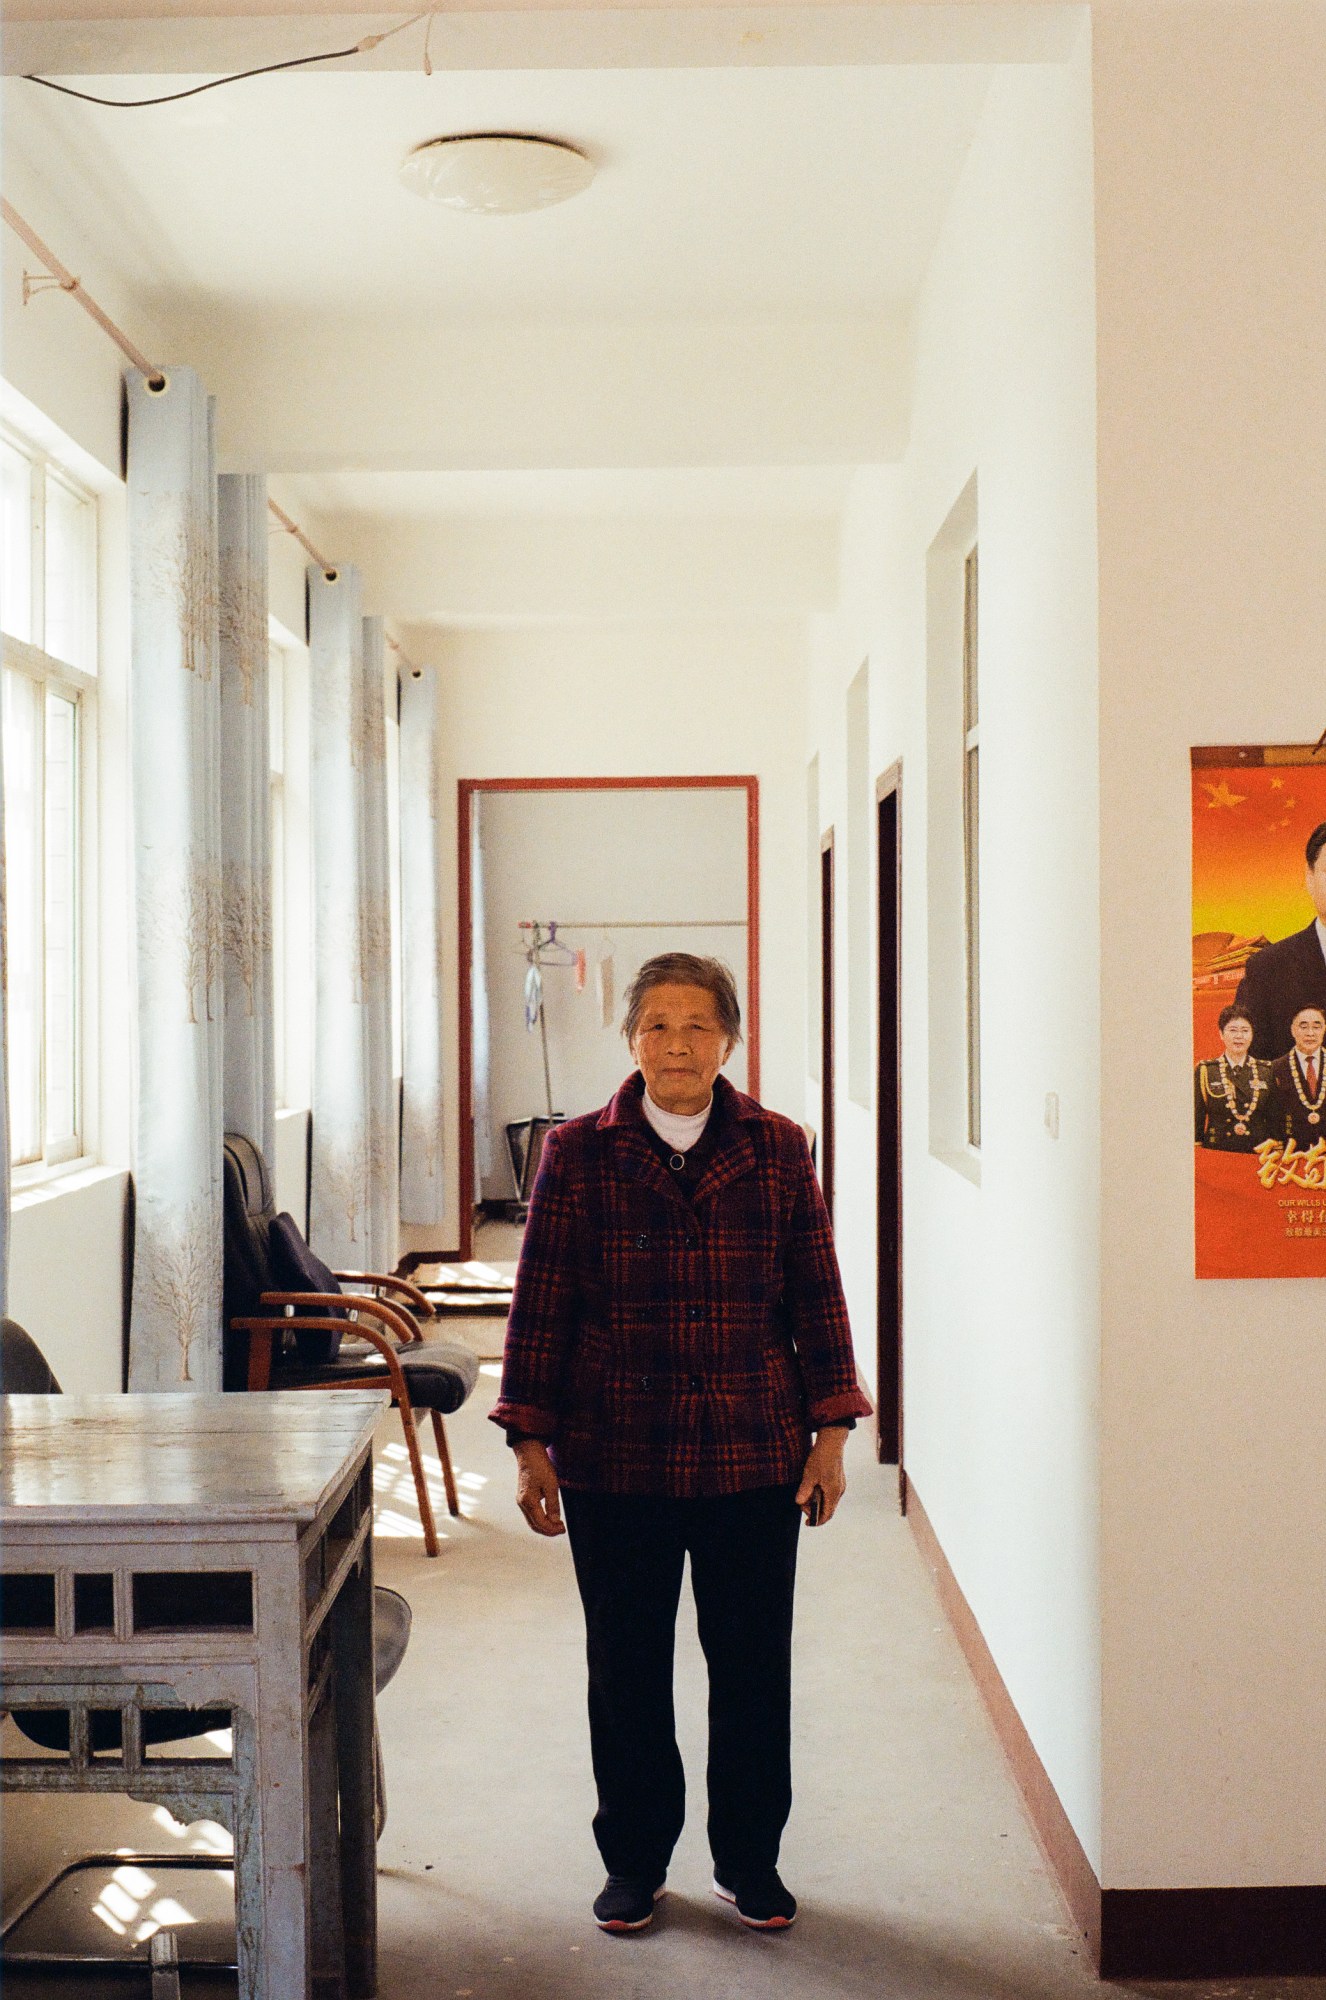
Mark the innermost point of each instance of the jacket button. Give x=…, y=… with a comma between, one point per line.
x=642, y=1242
x=695, y=1382
x=696, y=1312
x=644, y=1381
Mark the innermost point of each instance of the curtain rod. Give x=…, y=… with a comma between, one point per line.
x=416, y=673
x=67, y=282
x=293, y=528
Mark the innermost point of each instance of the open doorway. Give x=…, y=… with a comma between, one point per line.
x=566, y=887
x=888, y=1119
x=826, y=1145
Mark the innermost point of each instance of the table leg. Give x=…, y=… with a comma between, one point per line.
x=352, y=1642
x=281, y=1804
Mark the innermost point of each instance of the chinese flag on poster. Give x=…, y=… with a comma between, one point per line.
x=1259, y=961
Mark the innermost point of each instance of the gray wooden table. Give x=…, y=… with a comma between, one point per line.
x=210, y=1552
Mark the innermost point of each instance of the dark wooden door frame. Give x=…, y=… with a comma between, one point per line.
x=465, y=791
x=888, y=1128
x=828, y=1131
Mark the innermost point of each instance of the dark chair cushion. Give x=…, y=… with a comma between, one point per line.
x=296, y=1268
x=439, y=1375
x=24, y=1370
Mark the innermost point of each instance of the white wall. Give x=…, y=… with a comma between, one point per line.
x=1001, y=1274
x=66, y=1276
x=1211, y=234
x=638, y=857
x=645, y=700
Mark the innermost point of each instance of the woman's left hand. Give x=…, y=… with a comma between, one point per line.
x=824, y=1468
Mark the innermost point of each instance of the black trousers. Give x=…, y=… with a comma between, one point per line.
x=629, y=1554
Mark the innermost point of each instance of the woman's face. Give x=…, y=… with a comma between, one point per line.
x=1237, y=1038
x=1309, y=1028
x=680, y=1046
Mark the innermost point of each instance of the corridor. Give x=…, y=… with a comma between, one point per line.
x=917, y=1873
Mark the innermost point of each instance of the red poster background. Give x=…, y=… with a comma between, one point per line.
x=1252, y=812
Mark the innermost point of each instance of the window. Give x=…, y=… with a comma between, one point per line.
x=971, y=837
x=48, y=575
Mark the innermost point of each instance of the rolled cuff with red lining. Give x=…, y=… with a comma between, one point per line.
x=833, y=1409
x=525, y=1418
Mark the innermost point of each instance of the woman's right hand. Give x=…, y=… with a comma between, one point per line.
x=537, y=1488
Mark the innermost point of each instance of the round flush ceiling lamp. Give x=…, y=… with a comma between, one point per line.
x=496, y=173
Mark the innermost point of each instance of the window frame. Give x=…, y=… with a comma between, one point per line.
x=75, y=682
x=971, y=835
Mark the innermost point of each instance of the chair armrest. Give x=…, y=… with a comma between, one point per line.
x=343, y=1302
x=417, y=1301
x=260, y=1346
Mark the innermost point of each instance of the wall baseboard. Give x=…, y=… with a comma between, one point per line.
x=1050, y=1823
x=1274, y=1931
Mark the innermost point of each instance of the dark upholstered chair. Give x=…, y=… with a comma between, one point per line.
x=294, y=1327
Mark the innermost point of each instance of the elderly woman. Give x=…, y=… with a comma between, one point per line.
x=679, y=1377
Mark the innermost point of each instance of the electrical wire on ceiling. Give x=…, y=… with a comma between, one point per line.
x=265, y=69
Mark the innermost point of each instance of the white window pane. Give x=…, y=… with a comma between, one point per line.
x=23, y=884
x=61, y=903
x=15, y=542
x=276, y=708
x=278, y=932
x=71, y=574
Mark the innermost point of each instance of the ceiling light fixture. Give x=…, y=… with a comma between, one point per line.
x=496, y=173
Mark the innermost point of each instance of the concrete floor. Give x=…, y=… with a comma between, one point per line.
x=916, y=1870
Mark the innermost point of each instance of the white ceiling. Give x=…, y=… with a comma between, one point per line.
x=720, y=192
x=771, y=493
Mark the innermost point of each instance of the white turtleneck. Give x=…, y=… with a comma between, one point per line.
x=678, y=1129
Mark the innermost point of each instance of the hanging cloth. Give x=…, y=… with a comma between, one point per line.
x=533, y=998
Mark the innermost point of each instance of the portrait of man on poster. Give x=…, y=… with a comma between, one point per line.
x=1298, y=1082
x=1291, y=973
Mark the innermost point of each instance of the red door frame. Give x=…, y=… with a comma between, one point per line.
x=465, y=790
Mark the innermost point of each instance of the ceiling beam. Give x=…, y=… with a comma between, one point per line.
x=210, y=37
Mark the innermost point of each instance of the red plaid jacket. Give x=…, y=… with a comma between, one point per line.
x=675, y=1346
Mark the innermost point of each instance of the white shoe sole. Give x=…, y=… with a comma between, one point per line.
x=754, y=1923
x=616, y=1928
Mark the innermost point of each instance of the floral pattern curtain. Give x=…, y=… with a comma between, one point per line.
x=4, y=1043
x=353, y=1158
x=375, y=951
x=249, y=1097
x=175, y=1323
x=422, y=1186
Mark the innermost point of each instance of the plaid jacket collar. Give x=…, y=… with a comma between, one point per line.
x=732, y=1157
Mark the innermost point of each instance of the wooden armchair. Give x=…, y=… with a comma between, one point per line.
x=290, y=1325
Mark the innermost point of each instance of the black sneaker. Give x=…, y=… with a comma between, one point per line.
x=762, y=1901
x=626, y=1902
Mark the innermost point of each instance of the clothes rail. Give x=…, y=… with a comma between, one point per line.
x=648, y=924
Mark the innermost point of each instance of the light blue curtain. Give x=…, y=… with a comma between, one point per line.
x=375, y=930
x=175, y=1325
x=4, y=1041
x=422, y=1186
x=246, y=875
x=353, y=1162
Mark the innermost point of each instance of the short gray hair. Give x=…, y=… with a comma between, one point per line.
x=683, y=968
